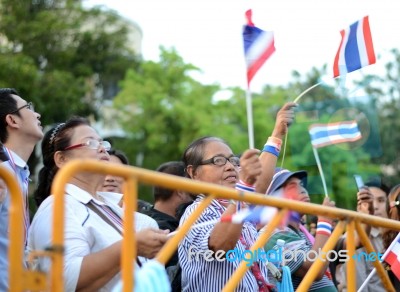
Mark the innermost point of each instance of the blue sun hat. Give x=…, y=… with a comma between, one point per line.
x=282, y=175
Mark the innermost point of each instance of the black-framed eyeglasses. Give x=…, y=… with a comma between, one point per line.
x=29, y=106
x=220, y=160
x=91, y=144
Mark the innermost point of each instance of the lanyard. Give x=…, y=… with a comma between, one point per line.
x=25, y=181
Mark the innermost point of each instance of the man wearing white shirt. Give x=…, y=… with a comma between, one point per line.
x=20, y=130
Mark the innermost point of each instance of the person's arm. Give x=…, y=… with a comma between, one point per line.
x=268, y=158
x=100, y=267
x=225, y=235
x=365, y=204
x=321, y=238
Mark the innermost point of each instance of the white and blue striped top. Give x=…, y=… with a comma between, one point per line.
x=199, y=274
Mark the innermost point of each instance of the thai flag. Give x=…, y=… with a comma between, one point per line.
x=393, y=256
x=334, y=133
x=356, y=49
x=258, y=46
x=262, y=214
x=255, y=214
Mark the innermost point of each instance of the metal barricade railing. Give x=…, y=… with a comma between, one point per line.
x=134, y=175
x=19, y=278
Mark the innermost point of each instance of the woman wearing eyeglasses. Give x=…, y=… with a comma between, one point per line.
x=211, y=160
x=202, y=253
x=92, y=228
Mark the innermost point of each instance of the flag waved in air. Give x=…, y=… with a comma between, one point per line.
x=334, y=133
x=258, y=46
x=356, y=49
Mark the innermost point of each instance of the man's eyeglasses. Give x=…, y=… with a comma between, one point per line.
x=29, y=106
x=92, y=144
x=221, y=160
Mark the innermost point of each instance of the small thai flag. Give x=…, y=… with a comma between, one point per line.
x=393, y=256
x=258, y=46
x=356, y=49
x=334, y=133
x=254, y=214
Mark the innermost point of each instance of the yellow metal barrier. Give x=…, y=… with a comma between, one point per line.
x=19, y=278
x=134, y=175
x=16, y=228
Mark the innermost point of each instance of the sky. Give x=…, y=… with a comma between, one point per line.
x=208, y=34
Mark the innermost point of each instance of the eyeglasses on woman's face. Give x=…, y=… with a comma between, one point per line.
x=29, y=106
x=91, y=144
x=220, y=160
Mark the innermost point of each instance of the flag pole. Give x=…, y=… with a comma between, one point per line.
x=305, y=91
x=382, y=259
x=249, y=108
x=321, y=173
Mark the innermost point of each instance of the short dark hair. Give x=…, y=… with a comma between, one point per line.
x=194, y=153
x=378, y=184
x=7, y=105
x=172, y=167
x=121, y=155
x=143, y=206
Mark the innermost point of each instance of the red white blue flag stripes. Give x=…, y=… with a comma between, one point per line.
x=393, y=257
x=334, y=133
x=356, y=49
x=258, y=46
x=255, y=214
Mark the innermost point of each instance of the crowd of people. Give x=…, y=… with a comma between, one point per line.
x=94, y=208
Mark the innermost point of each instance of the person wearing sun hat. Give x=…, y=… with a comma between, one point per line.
x=282, y=175
x=296, y=236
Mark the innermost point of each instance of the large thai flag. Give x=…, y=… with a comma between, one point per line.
x=393, y=257
x=356, y=49
x=258, y=46
x=334, y=133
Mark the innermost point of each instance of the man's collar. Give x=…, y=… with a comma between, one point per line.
x=17, y=159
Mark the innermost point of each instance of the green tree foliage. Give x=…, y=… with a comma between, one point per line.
x=385, y=100
x=339, y=162
x=163, y=109
x=60, y=55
